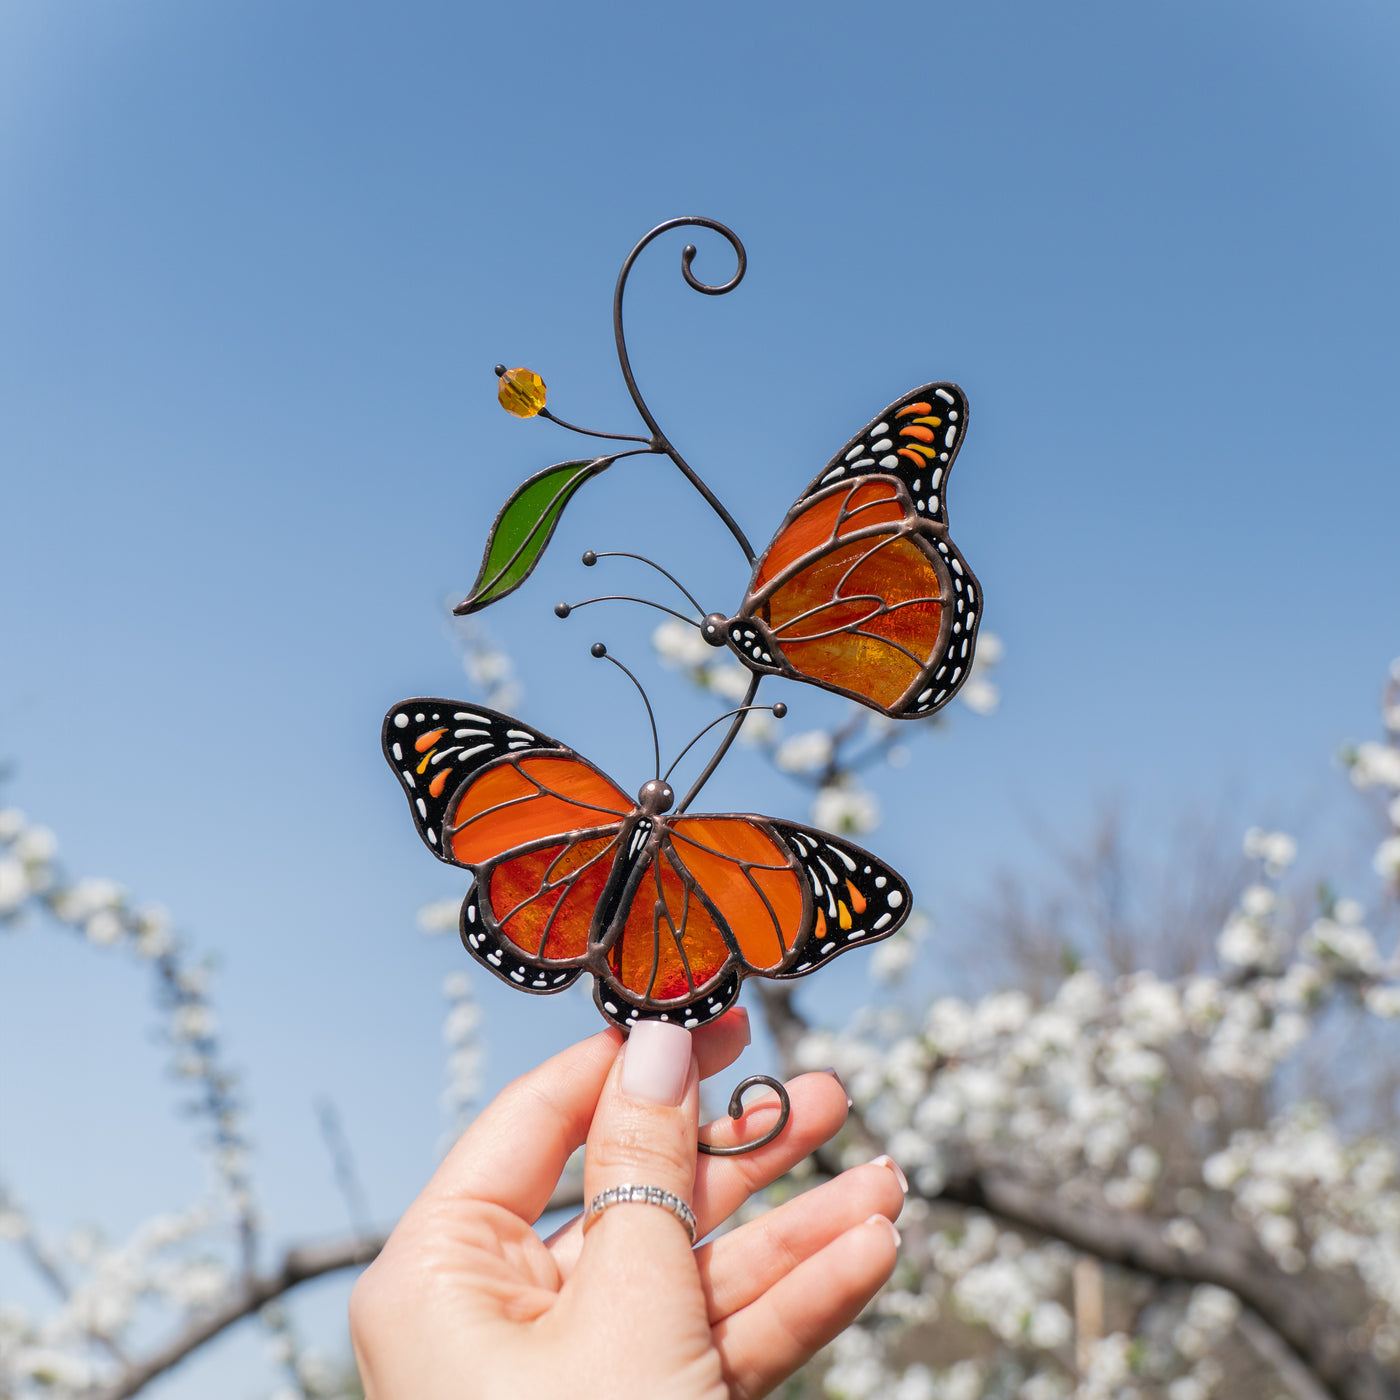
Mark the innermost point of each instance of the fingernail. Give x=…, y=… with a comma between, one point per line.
x=740, y=1013
x=889, y=1225
x=656, y=1063
x=883, y=1160
x=850, y=1102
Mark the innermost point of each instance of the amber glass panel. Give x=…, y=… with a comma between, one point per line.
x=711, y=849
x=544, y=900
x=664, y=958
x=870, y=501
x=508, y=807
x=893, y=570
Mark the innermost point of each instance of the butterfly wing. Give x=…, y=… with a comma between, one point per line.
x=538, y=826
x=856, y=897
x=437, y=745
x=914, y=440
x=726, y=897
x=669, y=914
x=861, y=591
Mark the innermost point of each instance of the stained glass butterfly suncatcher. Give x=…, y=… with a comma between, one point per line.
x=669, y=913
x=861, y=592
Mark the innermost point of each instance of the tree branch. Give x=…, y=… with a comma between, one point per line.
x=1285, y=1306
x=299, y=1265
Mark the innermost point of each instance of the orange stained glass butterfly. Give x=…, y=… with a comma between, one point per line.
x=861, y=590
x=669, y=913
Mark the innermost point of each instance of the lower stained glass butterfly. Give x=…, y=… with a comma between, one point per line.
x=861, y=590
x=669, y=913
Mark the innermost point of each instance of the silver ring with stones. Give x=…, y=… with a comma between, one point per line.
x=628, y=1194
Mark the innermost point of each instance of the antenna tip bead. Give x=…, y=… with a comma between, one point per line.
x=589, y=558
x=562, y=610
x=500, y=370
x=598, y=650
x=780, y=710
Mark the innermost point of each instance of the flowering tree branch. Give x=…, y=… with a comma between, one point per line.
x=299, y=1265
x=1231, y=1260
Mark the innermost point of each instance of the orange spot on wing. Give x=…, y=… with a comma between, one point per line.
x=916, y=430
x=436, y=786
x=914, y=408
x=425, y=741
x=857, y=899
x=911, y=455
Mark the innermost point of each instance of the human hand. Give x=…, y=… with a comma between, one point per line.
x=467, y=1302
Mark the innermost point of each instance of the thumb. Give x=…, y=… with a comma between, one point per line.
x=643, y=1134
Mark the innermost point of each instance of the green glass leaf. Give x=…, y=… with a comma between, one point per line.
x=523, y=529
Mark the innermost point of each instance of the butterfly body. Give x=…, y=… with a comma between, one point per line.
x=668, y=912
x=861, y=590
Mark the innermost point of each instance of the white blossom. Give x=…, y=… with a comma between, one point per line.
x=14, y=885
x=846, y=810
x=680, y=644
x=1276, y=849
x=1387, y=859
x=441, y=916
x=804, y=753
x=1376, y=765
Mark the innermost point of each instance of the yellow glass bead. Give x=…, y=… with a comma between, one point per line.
x=521, y=392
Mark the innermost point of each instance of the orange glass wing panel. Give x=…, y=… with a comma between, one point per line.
x=526, y=799
x=750, y=879
x=543, y=901
x=865, y=616
x=670, y=946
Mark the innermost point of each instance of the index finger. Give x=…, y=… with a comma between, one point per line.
x=513, y=1154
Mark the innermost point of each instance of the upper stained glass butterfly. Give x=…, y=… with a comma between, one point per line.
x=669, y=913
x=861, y=590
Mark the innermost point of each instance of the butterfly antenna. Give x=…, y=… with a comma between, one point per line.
x=564, y=609
x=779, y=710
x=601, y=652
x=590, y=558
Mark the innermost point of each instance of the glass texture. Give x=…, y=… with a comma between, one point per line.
x=874, y=500
x=829, y=624
x=524, y=527
x=530, y=799
x=521, y=392
x=761, y=904
x=544, y=900
x=671, y=945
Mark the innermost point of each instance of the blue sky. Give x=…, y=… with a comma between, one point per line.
x=256, y=263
